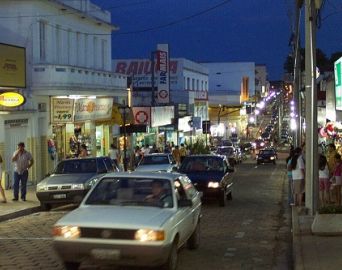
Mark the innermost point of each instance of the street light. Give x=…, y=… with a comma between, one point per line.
x=124, y=110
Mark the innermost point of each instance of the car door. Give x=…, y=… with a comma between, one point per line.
x=184, y=215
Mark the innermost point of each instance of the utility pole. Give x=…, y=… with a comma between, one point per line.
x=153, y=101
x=311, y=138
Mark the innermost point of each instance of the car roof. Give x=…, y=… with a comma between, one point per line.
x=152, y=175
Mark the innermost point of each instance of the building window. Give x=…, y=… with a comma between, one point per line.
x=86, y=49
x=202, y=85
x=42, y=40
x=188, y=84
x=206, y=86
x=95, y=41
x=69, y=46
x=58, y=44
x=197, y=85
x=78, y=49
x=193, y=84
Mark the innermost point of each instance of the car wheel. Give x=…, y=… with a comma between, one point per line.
x=229, y=196
x=71, y=265
x=222, y=198
x=194, y=240
x=45, y=206
x=172, y=260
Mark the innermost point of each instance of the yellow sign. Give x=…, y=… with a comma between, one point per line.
x=12, y=66
x=11, y=99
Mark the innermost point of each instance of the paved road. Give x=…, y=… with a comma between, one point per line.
x=251, y=232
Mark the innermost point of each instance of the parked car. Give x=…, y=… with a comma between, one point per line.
x=71, y=180
x=118, y=224
x=211, y=174
x=266, y=156
x=156, y=162
x=230, y=153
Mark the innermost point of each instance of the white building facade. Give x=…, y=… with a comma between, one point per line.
x=68, y=61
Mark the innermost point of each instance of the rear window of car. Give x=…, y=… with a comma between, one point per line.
x=225, y=151
x=267, y=152
x=153, y=160
x=131, y=191
x=76, y=166
x=198, y=164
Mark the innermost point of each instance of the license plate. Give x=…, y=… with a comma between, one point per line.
x=59, y=196
x=105, y=254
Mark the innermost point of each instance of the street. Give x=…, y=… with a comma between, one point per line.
x=251, y=232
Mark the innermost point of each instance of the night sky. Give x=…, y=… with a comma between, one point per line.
x=216, y=30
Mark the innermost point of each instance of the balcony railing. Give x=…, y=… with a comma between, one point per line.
x=51, y=76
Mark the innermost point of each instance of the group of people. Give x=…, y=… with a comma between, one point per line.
x=330, y=176
x=23, y=161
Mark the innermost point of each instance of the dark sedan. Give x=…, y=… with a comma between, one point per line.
x=71, y=180
x=211, y=174
x=266, y=156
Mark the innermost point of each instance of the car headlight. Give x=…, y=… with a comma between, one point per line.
x=272, y=158
x=41, y=188
x=69, y=232
x=262, y=144
x=213, y=185
x=145, y=235
x=77, y=186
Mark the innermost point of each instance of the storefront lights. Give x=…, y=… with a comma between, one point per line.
x=251, y=119
x=293, y=124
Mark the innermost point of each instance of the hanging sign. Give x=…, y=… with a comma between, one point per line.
x=142, y=115
x=11, y=99
x=163, y=74
x=93, y=109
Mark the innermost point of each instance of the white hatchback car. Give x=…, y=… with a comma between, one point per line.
x=137, y=219
x=156, y=162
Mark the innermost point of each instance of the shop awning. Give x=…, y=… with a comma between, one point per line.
x=117, y=117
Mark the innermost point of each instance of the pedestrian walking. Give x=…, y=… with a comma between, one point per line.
x=298, y=174
x=2, y=192
x=23, y=161
x=114, y=154
x=137, y=156
x=324, y=183
x=176, y=155
x=289, y=178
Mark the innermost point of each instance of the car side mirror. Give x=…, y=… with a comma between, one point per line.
x=184, y=203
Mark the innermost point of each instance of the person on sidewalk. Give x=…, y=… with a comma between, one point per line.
x=324, y=183
x=114, y=154
x=2, y=192
x=23, y=161
x=298, y=174
x=176, y=155
x=289, y=177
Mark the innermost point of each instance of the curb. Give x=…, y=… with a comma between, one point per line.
x=296, y=238
x=20, y=213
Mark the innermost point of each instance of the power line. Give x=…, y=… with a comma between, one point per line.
x=176, y=21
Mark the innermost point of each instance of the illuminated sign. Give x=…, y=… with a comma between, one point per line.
x=11, y=99
x=338, y=84
x=12, y=66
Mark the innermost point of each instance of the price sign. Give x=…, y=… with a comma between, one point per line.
x=62, y=110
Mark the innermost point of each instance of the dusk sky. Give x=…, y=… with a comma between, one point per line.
x=217, y=30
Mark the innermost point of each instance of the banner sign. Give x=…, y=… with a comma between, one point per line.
x=62, y=110
x=163, y=74
x=12, y=66
x=93, y=109
x=142, y=115
x=11, y=99
x=161, y=116
x=184, y=124
x=338, y=84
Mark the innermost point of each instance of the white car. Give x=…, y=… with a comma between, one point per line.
x=157, y=162
x=135, y=219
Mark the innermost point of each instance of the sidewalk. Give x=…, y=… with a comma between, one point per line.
x=14, y=209
x=311, y=251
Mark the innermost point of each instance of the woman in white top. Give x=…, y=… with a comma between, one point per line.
x=2, y=192
x=298, y=173
x=324, y=183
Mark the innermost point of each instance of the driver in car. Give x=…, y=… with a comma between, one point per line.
x=159, y=194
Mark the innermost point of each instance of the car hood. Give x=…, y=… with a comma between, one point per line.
x=125, y=217
x=204, y=176
x=75, y=178
x=154, y=167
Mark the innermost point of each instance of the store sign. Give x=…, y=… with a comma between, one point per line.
x=338, y=84
x=163, y=74
x=161, y=116
x=184, y=124
x=11, y=99
x=142, y=115
x=93, y=109
x=62, y=110
x=12, y=66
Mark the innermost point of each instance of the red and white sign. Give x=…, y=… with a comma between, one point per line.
x=163, y=74
x=142, y=115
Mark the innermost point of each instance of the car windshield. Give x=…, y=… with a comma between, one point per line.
x=225, y=151
x=202, y=164
x=131, y=191
x=76, y=166
x=153, y=160
x=267, y=152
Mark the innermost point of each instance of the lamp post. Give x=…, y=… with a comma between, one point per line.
x=124, y=110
